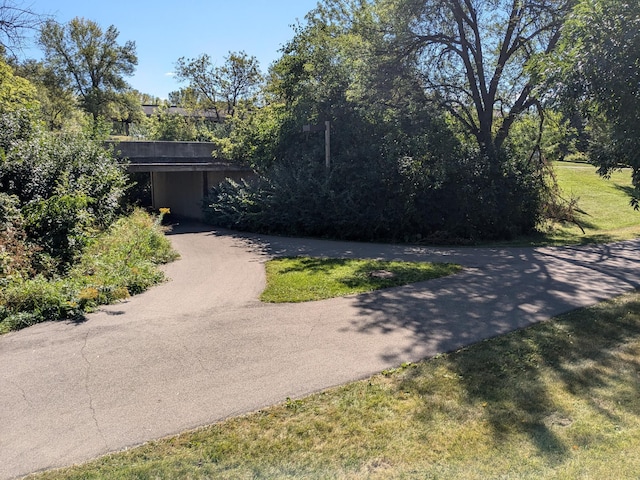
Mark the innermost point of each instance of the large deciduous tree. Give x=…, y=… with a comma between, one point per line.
x=239, y=78
x=91, y=59
x=236, y=81
x=473, y=56
x=597, y=73
x=397, y=171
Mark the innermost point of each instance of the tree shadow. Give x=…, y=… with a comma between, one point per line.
x=628, y=190
x=510, y=374
x=509, y=293
x=500, y=290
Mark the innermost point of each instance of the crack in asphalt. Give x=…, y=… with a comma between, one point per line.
x=23, y=393
x=88, y=390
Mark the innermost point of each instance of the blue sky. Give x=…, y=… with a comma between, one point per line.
x=165, y=30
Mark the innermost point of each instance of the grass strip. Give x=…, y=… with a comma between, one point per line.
x=303, y=279
x=557, y=400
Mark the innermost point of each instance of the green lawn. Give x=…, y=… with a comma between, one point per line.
x=558, y=400
x=302, y=279
x=607, y=216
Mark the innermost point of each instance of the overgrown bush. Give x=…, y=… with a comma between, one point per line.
x=126, y=256
x=16, y=251
x=406, y=200
x=61, y=254
x=67, y=185
x=400, y=169
x=25, y=302
x=60, y=225
x=120, y=262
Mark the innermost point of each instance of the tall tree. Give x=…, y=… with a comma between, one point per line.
x=91, y=59
x=235, y=81
x=58, y=103
x=474, y=55
x=203, y=91
x=397, y=170
x=239, y=78
x=597, y=73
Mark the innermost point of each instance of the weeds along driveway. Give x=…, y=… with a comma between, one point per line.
x=201, y=347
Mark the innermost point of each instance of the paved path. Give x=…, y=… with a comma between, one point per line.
x=202, y=348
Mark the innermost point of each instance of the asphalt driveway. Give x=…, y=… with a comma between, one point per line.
x=201, y=347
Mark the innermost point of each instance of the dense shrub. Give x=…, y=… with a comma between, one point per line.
x=46, y=164
x=400, y=168
x=462, y=201
x=60, y=225
x=67, y=186
x=16, y=251
x=25, y=302
x=61, y=254
x=120, y=262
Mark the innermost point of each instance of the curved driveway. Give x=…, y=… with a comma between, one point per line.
x=201, y=347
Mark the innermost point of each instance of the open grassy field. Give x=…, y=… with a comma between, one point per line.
x=607, y=215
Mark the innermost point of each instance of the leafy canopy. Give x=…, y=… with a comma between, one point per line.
x=90, y=59
x=473, y=57
x=596, y=73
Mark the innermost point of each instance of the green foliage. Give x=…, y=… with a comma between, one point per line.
x=473, y=57
x=121, y=261
x=597, y=74
x=60, y=225
x=16, y=251
x=546, y=138
x=34, y=300
x=238, y=80
x=235, y=83
x=398, y=172
x=16, y=93
x=66, y=185
x=254, y=138
x=164, y=125
x=459, y=202
x=126, y=256
x=58, y=104
x=39, y=165
x=91, y=60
